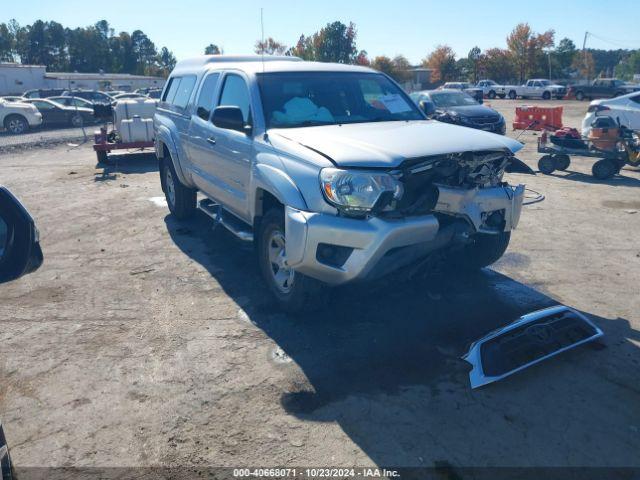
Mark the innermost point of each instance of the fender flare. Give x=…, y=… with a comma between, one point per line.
x=164, y=137
x=278, y=184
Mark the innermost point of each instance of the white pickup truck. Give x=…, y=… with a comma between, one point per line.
x=536, y=88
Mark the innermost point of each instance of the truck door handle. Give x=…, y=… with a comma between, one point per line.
x=211, y=140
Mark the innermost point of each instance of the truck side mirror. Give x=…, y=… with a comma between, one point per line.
x=20, y=251
x=427, y=107
x=230, y=118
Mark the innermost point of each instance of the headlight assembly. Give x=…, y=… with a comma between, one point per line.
x=356, y=192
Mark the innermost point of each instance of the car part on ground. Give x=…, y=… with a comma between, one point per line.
x=529, y=340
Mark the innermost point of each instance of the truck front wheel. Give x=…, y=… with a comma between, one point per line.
x=180, y=198
x=293, y=291
x=546, y=96
x=486, y=249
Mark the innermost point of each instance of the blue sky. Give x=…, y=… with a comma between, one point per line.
x=412, y=28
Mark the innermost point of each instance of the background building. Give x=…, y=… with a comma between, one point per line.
x=15, y=79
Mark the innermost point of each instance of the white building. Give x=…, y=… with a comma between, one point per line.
x=15, y=79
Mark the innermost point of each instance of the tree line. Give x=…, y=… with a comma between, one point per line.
x=526, y=53
x=86, y=49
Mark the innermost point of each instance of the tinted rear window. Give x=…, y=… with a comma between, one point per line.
x=183, y=92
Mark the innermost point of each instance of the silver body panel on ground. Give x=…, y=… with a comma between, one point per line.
x=477, y=376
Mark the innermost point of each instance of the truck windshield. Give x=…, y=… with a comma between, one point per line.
x=302, y=99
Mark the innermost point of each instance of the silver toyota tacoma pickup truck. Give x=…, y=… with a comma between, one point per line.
x=331, y=170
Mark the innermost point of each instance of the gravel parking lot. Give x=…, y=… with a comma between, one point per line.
x=143, y=341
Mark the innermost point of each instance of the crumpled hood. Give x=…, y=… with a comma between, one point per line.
x=388, y=144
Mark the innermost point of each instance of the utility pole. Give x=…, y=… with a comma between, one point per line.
x=584, y=55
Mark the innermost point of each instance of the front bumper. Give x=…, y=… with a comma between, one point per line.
x=373, y=244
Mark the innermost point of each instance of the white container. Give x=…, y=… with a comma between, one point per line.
x=127, y=109
x=136, y=129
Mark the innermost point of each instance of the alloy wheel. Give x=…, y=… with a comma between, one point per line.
x=282, y=275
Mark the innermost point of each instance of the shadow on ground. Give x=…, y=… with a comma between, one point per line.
x=130, y=163
x=376, y=342
x=617, y=180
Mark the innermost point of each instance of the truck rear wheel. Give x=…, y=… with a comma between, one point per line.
x=180, y=198
x=579, y=96
x=486, y=249
x=293, y=291
x=512, y=95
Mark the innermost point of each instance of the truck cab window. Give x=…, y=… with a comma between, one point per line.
x=236, y=94
x=184, y=90
x=206, y=101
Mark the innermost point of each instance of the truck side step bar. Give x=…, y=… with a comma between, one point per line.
x=228, y=220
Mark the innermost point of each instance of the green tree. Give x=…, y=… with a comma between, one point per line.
x=562, y=57
x=166, y=62
x=498, y=65
x=335, y=42
x=212, y=49
x=270, y=47
x=473, y=57
x=7, y=43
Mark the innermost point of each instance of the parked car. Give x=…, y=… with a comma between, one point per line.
x=475, y=92
x=43, y=92
x=128, y=96
x=12, y=98
x=18, y=117
x=491, y=89
x=625, y=110
x=56, y=114
x=332, y=170
x=603, y=88
x=537, y=88
x=93, y=96
x=460, y=108
x=72, y=102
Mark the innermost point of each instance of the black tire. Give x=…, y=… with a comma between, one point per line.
x=16, y=124
x=76, y=121
x=546, y=95
x=546, y=164
x=299, y=293
x=491, y=94
x=604, y=169
x=102, y=156
x=562, y=161
x=513, y=95
x=580, y=95
x=484, y=250
x=502, y=95
x=180, y=198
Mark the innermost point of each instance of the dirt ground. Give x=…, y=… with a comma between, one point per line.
x=144, y=341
